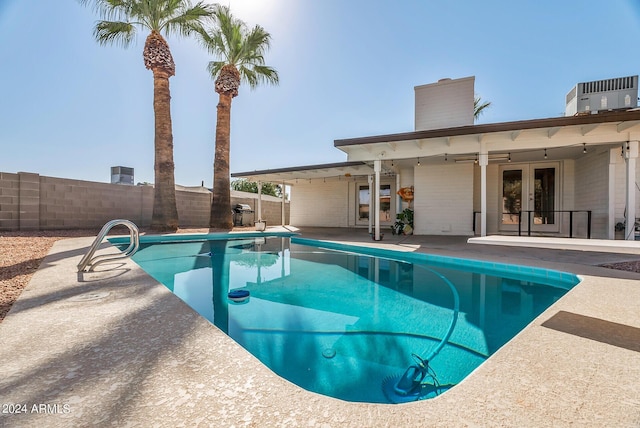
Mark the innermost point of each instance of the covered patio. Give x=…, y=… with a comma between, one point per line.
x=563, y=177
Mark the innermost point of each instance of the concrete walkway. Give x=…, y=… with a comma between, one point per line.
x=116, y=348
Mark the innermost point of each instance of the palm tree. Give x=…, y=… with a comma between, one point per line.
x=478, y=107
x=120, y=20
x=239, y=51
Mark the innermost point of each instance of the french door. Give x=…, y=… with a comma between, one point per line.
x=532, y=192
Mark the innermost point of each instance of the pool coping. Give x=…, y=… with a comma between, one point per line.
x=116, y=346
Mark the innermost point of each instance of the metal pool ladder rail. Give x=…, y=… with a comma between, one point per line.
x=134, y=244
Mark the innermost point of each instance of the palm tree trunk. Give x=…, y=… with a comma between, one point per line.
x=221, y=217
x=165, y=213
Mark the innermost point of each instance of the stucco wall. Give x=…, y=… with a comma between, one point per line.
x=443, y=199
x=32, y=202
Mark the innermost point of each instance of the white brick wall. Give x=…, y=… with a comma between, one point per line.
x=443, y=201
x=320, y=204
x=592, y=189
x=620, y=188
x=493, y=189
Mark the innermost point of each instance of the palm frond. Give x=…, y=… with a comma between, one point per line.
x=479, y=107
x=111, y=10
x=110, y=32
x=267, y=75
x=164, y=16
x=189, y=20
x=257, y=41
x=231, y=42
x=214, y=68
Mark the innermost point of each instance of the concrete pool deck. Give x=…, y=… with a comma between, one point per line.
x=117, y=348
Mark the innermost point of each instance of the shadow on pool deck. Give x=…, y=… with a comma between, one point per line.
x=120, y=349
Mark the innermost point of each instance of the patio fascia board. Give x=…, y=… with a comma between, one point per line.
x=307, y=171
x=556, y=123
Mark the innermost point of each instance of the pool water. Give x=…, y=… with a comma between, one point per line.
x=344, y=323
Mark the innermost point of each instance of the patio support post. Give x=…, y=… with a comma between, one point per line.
x=259, y=200
x=370, y=181
x=614, y=155
x=283, y=204
x=631, y=156
x=398, y=198
x=483, y=159
x=377, y=166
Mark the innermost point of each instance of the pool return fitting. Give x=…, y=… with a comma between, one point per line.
x=134, y=243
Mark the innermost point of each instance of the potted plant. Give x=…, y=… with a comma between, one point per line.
x=404, y=223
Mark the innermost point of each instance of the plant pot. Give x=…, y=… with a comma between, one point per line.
x=261, y=225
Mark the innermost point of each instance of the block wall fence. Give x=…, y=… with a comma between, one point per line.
x=29, y=201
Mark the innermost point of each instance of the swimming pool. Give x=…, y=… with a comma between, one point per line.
x=350, y=322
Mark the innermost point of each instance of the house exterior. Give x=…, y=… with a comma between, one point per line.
x=569, y=176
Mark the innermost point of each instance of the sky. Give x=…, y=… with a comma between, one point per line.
x=72, y=108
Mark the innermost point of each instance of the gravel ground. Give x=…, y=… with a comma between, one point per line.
x=22, y=252
x=20, y=256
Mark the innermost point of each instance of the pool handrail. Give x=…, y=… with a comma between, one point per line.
x=134, y=244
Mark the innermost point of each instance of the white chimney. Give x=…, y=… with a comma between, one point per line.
x=445, y=104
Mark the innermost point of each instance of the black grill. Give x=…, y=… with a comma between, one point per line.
x=242, y=215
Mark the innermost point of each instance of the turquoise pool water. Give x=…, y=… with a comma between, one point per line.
x=344, y=321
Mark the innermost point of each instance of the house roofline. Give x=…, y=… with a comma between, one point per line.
x=604, y=117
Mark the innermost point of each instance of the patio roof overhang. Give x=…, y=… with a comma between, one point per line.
x=563, y=137
x=308, y=172
x=523, y=141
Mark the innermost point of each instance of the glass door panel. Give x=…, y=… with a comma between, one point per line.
x=544, y=196
x=511, y=196
x=385, y=203
x=364, y=201
x=532, y=190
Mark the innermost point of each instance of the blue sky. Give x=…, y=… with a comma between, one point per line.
x=72, y=108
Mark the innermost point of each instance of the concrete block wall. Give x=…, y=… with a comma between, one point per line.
x=443, y=199
x=9, y=201
x=32, y=202
x=194, y=207
x=77, y=204
x=29, y=195
x=272, y=212
x=271, y=206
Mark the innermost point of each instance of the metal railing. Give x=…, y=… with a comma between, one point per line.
x=134, y=243
x=554, y=211
x=529, y=218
